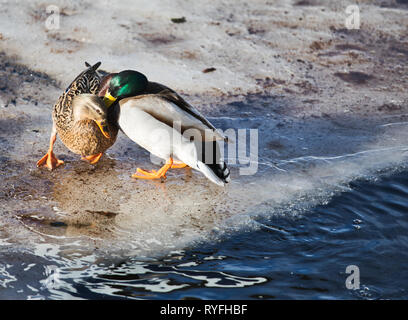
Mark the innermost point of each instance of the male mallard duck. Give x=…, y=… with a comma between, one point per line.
x=155, y=117
x=82, y=121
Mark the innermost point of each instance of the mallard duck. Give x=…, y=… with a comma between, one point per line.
x=156, y=117
x=82, y=121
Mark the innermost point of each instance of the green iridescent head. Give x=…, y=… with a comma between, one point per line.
x=127, y=83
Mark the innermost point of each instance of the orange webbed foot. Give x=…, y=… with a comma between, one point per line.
x=150, y=175
x=178, y=165
x=93, y=159
x=143, y=174
x=50, y=161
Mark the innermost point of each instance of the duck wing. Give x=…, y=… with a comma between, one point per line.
x=176, y=109
x=86, y=82
x=169, y=108
x=89, y=73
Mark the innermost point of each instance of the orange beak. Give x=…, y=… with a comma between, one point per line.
x=103, y=126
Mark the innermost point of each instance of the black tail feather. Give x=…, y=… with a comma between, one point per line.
x=221, y=170
x=94, y=67
x=211, y=156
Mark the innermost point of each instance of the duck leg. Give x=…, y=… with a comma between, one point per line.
x=143, y=174
x=93, y=159
x=178, y=165
x=50, y=160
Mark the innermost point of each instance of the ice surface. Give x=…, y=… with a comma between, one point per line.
x=244, y=41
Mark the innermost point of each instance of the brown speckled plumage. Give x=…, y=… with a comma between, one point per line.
x=82, y=137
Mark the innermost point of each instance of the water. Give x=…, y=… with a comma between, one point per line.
x=279, y=257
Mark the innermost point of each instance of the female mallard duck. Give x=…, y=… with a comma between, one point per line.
x=82, y=121
x=156, y=117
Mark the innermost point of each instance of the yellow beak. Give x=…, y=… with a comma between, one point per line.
x=103, y=126
x=108, y=99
